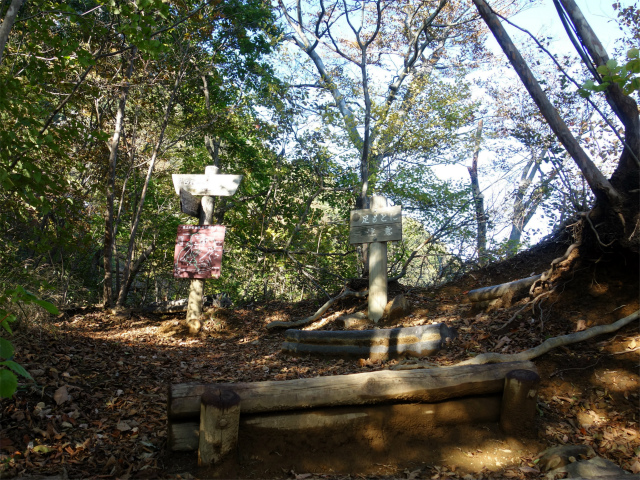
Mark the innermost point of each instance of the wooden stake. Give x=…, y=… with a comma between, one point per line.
x=377, y=270
x=519, y=399
x=219, y=424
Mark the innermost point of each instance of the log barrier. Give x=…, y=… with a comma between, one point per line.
x=210, y=417
x=377, y=344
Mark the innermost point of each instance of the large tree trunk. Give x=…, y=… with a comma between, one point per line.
x=617, y=202
x=625, y=177
x=600, y=186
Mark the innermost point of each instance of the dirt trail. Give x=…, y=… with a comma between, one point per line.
x=97, y=408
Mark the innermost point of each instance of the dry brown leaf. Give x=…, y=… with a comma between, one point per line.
x=123, y=426
x=61, y=395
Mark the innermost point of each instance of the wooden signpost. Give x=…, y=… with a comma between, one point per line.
x=200, y=255
x=376, y=225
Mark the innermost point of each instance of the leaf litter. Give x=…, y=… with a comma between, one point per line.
x=97, y=405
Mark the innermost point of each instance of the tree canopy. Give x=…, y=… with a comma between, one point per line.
x=319, y=105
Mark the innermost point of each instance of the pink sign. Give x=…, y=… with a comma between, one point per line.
x=198, y=251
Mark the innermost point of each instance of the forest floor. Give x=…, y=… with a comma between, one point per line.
x=98, y=405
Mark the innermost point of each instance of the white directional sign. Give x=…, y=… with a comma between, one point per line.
x=209, y=184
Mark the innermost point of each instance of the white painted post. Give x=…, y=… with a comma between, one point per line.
x=377, y=270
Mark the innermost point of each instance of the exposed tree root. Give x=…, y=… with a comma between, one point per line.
x=306, y=321
x=532, y=303
x=551, y=343
x=535, y=352
x=554, y=264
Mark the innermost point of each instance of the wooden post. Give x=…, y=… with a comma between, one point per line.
x=196, y=290
x=519, y=399
x=377, y=270
x=219, y=425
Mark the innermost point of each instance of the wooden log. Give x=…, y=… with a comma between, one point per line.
x=496, y=291
x=376, y=352
x=472, y=410
x=373, y=337
x=219, y=423
x=519, y=400
x=386, y=386
x=377, y=270
x=316, y=316
x=378, y=344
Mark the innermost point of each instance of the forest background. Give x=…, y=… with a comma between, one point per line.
x=318, y=105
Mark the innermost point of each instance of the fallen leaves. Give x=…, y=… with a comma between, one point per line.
x=98, y=403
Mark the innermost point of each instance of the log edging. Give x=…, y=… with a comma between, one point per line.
x=375, y=344
x=384, y=386
x=188, y=403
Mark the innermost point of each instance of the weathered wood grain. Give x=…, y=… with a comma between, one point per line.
x=183, y=436
x=376, y=344
x=386, y=386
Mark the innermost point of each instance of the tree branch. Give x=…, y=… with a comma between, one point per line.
x=306, y=321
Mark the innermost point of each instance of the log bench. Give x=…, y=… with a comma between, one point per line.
x=210, y=417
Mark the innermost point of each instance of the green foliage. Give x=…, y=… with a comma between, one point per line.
x=8, y=368
x=625, y=75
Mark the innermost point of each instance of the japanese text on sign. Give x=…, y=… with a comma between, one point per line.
x=376, y=225
x=198, y=251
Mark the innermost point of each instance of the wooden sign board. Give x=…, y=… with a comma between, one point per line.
x=211, y=185
x=198, y=252
x=376, y=225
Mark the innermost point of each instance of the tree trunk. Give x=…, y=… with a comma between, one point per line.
x=7, y=24
x=135, y=269
x=520, y=216
x=600, y=186
x=122, y=294
x=625, y=176
x=107, y=291
x=478, y=200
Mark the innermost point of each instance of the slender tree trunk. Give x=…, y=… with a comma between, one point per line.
x=7, y=24
x=478, y=199
x=135, y=269
x=122, y=295
x=107, y=292
x=600, y=186
x=518, y=216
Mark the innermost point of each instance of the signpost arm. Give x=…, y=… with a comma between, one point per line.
x=377, y=270
x=196, y=290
